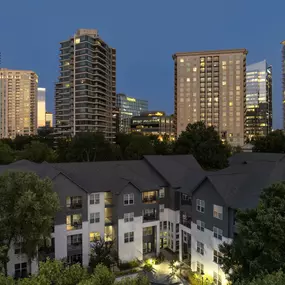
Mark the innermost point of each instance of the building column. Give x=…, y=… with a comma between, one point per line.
x=157, y=240
x=85, y=244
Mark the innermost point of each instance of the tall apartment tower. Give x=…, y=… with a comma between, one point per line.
x=210, y=87
x=88, y=70
x=41, y=120
x=258, y=119
x=18, y=103
x=283, y=80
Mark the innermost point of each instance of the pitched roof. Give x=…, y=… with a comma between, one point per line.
x=250, y=157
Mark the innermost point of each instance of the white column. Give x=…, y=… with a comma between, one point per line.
x=180, y=243
x=60, y=241
x=157, y=240
x=85, y=244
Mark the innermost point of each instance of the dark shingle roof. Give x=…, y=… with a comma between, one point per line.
x=250, y=157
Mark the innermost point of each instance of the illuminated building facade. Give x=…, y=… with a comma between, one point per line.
x=18, y=103
x=88, y=71
x=258, y=120
x=49, y=120
x=41, y=107
x=210, y=87
x=129, y=107
x=154, y=123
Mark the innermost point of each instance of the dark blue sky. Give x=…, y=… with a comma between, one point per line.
x=145, y=34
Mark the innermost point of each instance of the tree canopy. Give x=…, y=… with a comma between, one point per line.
x=27, y=209
x=258, y=247
x=205, y=145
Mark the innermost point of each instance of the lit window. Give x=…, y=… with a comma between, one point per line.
x=237, y=88
x=224, y=63
x=147, y=231
x=217, y=233
x=230, y=103
x=200, y=206
x=129, y=237
x=188, y=79
x=218, y=212
x=224, y=83
x=194, y=69
x=77, y=41
x=181, y=59
x=200, y=225
x=200, y=247
x=129, y=199
x=94, y=236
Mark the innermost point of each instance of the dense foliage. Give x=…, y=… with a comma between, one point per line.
x=258, y=248
x=56, y=272
x=201, y=141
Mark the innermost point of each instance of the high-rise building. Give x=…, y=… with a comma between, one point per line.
x=258, y=106
x=49, y=120
x=18, y=102
x=154, y=123
x=128, y=108
x=210, y=87
x=88, y=70
x=283, y=80
x=41, y=107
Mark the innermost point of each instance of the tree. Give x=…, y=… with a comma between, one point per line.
x=27, y=209
x=258, y=248
x=277, y=278
x=21, y=141
x=162, y=146
x=37, y=152
x=89, y=147
x=205, y=145
x=274, y=142
x=6, y=153
x=102, y=253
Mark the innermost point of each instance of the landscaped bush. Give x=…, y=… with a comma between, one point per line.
x=160, y=258
x=126, y=272
x=128, y=265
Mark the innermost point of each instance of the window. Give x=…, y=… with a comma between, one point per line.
x=94, y=198
x=200, y=206
x=74, y=239
x=218, y=233
x=165, y=225
x=129, y=199
x=194, y=69
x=94, y=218
x=128, y=217
x=21, y=270
x=217, y=279
x=17, y=247
x=161, y=193
x=94, y=236
x=200, y=268
x=200, y=225
x=147, y=231
x=218, y=212
x=74, y=202
x=217, y=257
x=161, y=208
x=129, y=237
x=181, y=59
x=73, y=222
x=200, y=247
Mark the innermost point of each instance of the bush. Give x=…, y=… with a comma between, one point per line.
x=128, y=265
x=126, y=272
x=160, y=258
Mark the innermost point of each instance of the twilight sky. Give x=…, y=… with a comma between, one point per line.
x=145, y=34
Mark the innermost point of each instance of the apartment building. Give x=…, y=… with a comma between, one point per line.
x=85, y=95
x=151, y=204
x=18, y=102
x=210, y=87
x=41, y=108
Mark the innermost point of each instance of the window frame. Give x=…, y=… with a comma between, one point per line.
x=94, y=199
x=128, y=237
x=200, y=226
x=161, y=193
x=216, y=213
x=217, y=233
x=200, y=206
x=161, y=208
x=128, y=198
x=129, y=217
x=200, y=248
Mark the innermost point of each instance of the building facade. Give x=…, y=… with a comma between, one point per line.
x=88, y=70
x=258, y=107
x=153, y=123
x=149, y=205
x=18, y=103
x=49, y=120
x=41, y=113
x=283, y=80
x=128, y=108
x=210, y=87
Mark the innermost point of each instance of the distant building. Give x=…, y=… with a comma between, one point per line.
x=41, y=107
x=18, y=103
x=210, y=87
x=128, y=108
x=153, y=123
x=49, y=120
x=258, y=106
x=88, y=70
x=283, y=80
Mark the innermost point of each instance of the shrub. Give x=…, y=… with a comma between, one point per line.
x=126, y=272
x=128, y=265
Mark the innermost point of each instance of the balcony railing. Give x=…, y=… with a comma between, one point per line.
x=149, y=199
x=108, y=202
x=108, y=220
x=74, y=246
x=74, y=226
x=74, y=205
x=149, y=217
x=186, y=223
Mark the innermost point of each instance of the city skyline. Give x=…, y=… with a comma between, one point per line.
x=152, y=79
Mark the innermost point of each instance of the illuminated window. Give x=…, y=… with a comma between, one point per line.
x=194, y=69
x=224, y=83
x=188, y=79
x=224, y=63
x=94, y=236
x=237, y=88
x=230, y=103
x=181, y=59
x=77, y=41
x=218, y=212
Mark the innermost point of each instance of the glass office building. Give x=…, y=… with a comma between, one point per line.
x=154, y=123
x=258, y=119
x=129, y=107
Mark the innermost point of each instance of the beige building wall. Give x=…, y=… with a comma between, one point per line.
x=49, y=120
x=210, y=87
x=18, y=99
x=41, y=114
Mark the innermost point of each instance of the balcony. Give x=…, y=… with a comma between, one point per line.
x=74, y=246
x=149, y=215
x=150, y=197
x=108, y=199
x=73, y=222
x=108, y=220
x=74, y=202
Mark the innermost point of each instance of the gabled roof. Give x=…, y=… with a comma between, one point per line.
x=250, y=157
